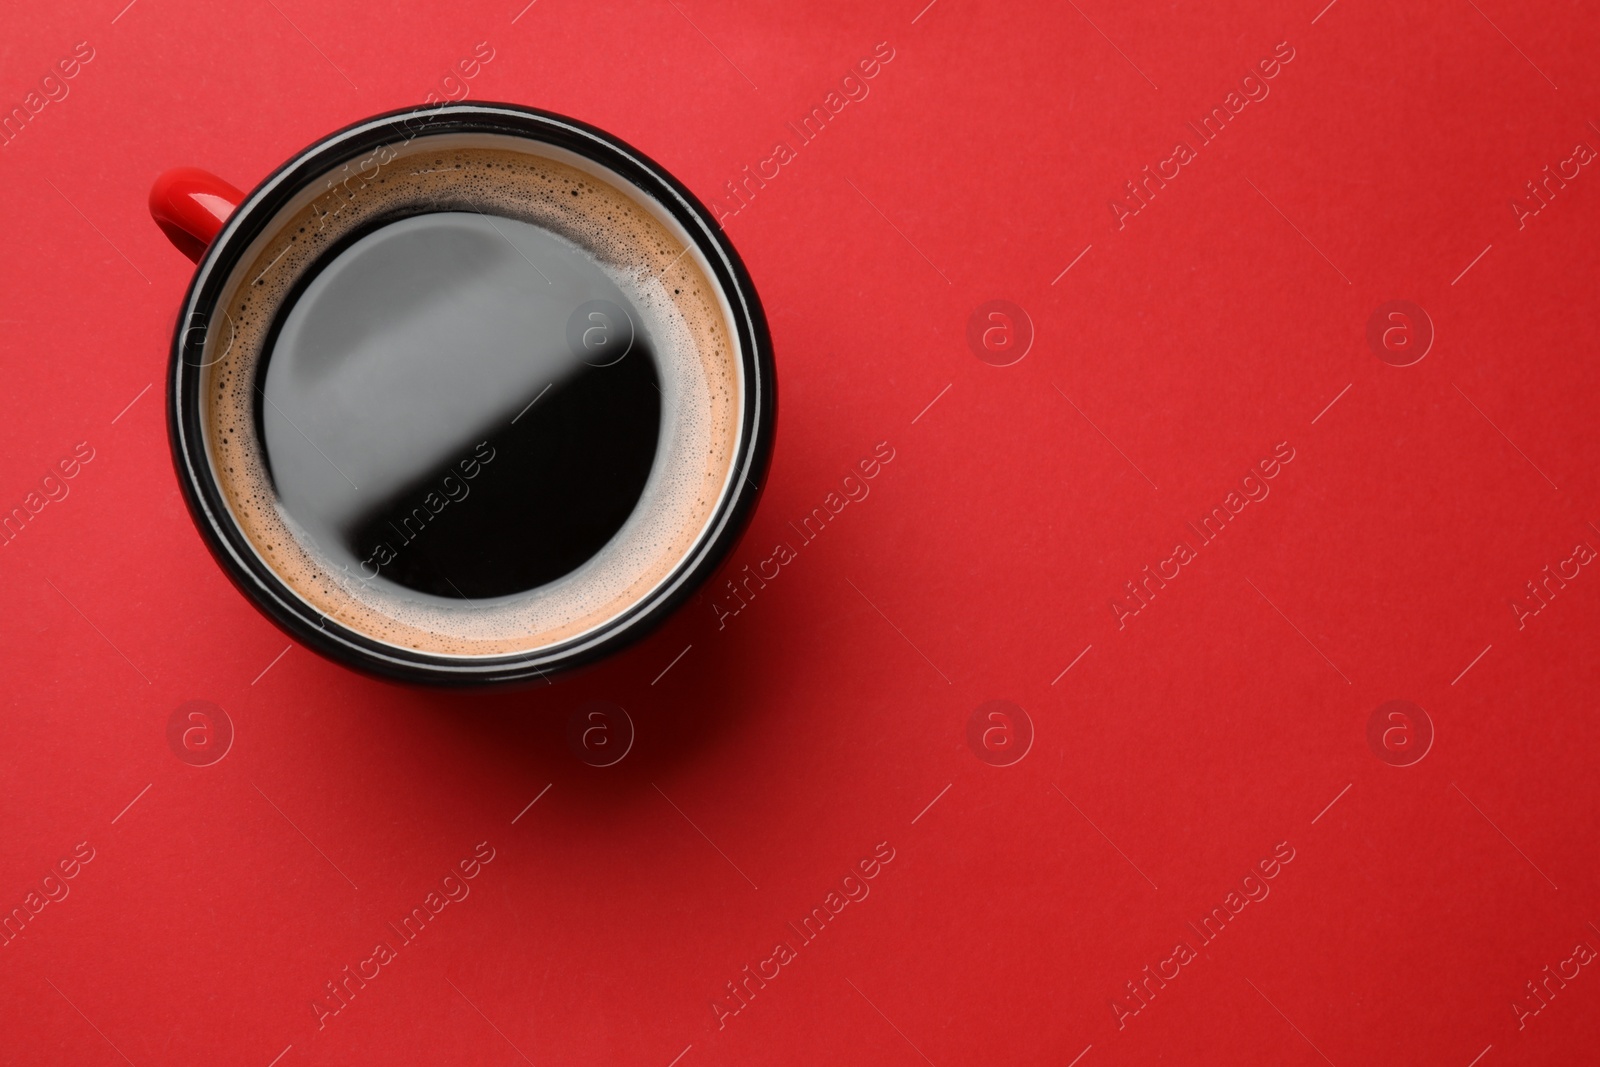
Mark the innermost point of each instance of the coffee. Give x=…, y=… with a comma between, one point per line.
x=478, y=399
x=445, y=336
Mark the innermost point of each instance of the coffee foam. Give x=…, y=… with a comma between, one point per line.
x=645, y=254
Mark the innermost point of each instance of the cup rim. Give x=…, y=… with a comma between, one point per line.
x=270, y=593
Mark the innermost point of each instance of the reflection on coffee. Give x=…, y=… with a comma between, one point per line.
x=486, y=405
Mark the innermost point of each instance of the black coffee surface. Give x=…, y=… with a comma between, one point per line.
x=461, y=405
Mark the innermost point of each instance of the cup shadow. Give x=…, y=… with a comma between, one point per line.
x=522, y=734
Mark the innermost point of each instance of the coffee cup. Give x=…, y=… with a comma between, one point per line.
x=465, y=394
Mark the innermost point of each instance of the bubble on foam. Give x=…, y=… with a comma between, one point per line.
x=683, y=313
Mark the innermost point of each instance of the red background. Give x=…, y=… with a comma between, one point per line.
x=823, y=719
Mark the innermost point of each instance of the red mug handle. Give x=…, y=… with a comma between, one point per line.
x=191, y=205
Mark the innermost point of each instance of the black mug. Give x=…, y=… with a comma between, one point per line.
x=355, y=402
